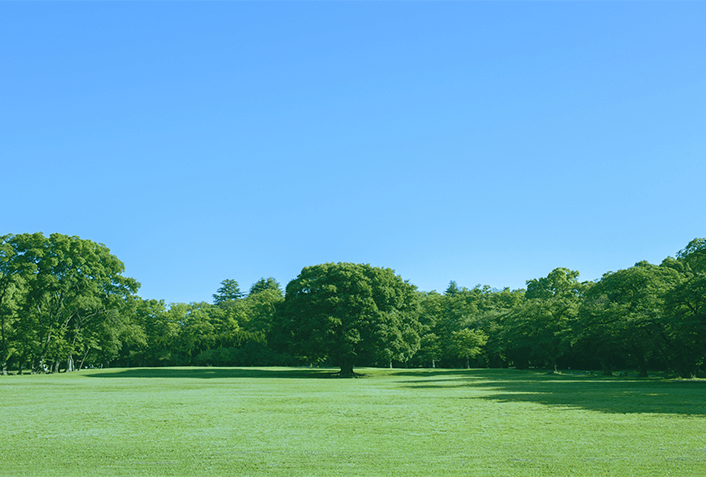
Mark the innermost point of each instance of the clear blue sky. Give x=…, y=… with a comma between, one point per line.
x=481, y=142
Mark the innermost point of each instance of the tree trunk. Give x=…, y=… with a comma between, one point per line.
x=37, y=366
x=80, y=366
x=686, y=370
x=3, y=351
x=346, y=367
x=606, y=367
x=686, y=374
x=642, y=366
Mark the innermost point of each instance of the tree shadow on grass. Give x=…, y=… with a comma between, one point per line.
x=618, y=395
x=217, y=373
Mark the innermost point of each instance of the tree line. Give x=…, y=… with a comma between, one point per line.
x=65, y=305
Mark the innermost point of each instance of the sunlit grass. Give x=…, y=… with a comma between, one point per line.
x=301, y=422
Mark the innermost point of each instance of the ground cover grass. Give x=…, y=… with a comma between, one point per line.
x=302, y=422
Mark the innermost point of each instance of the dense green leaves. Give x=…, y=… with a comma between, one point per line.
x=65, y=303
x=71, y=291
x=628, y=305
x=229, y=291
x=349, y=313
x=468, y=343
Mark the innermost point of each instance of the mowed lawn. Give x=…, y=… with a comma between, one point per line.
x=391, y=422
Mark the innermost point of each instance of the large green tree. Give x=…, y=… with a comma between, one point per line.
x=624, y=311
x=350, y=313
x=72, y=290
x=468, y=343
x=11, y=292
x=538, y=330
x=430, y=344
x=684, y=324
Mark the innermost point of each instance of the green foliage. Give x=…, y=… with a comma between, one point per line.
x=468, y=343
x=560, y=283
x=233, y=332
x=64, y=301
x=228, y=292
x=685, y=325
x=350, y=313
x=265, y=284
x=624, y=311
x=71, y=293
x=694, y=256
x=538, y=330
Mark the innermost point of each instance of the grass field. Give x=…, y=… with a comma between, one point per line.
x=301, y=422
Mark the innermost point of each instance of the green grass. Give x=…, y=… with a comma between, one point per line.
x=301, y=422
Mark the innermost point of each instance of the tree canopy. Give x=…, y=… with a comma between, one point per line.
x=229, y=291
x=62, y=296
x=350, y=313
x=64, y=304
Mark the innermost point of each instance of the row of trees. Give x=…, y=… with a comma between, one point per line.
x=64, y=303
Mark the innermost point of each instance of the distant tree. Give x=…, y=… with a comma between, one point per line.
x=265, y=284
x=593, y=337
x=684, y=310
x=228, y=291
x=196, y=332
x=468, y=343
x=626, y=308
x=261, y=308
x=539, y=329
x=459, y=309
x=694, y=256
x=684, y=325
x=453, y=289
x=11, y=292
x=349, y=312
x=430, y=350
x=494, y=308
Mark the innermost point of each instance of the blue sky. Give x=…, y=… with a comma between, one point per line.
x=482, y=142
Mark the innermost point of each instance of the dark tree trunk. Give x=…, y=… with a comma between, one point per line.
x=346, y=367
x=687, y=374
x=521, y=363
x=80, y=366
x=606, y=367
x=3, y=351
x=642, y=366
x=686, y=370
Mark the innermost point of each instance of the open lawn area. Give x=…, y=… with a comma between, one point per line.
x=392, y=422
